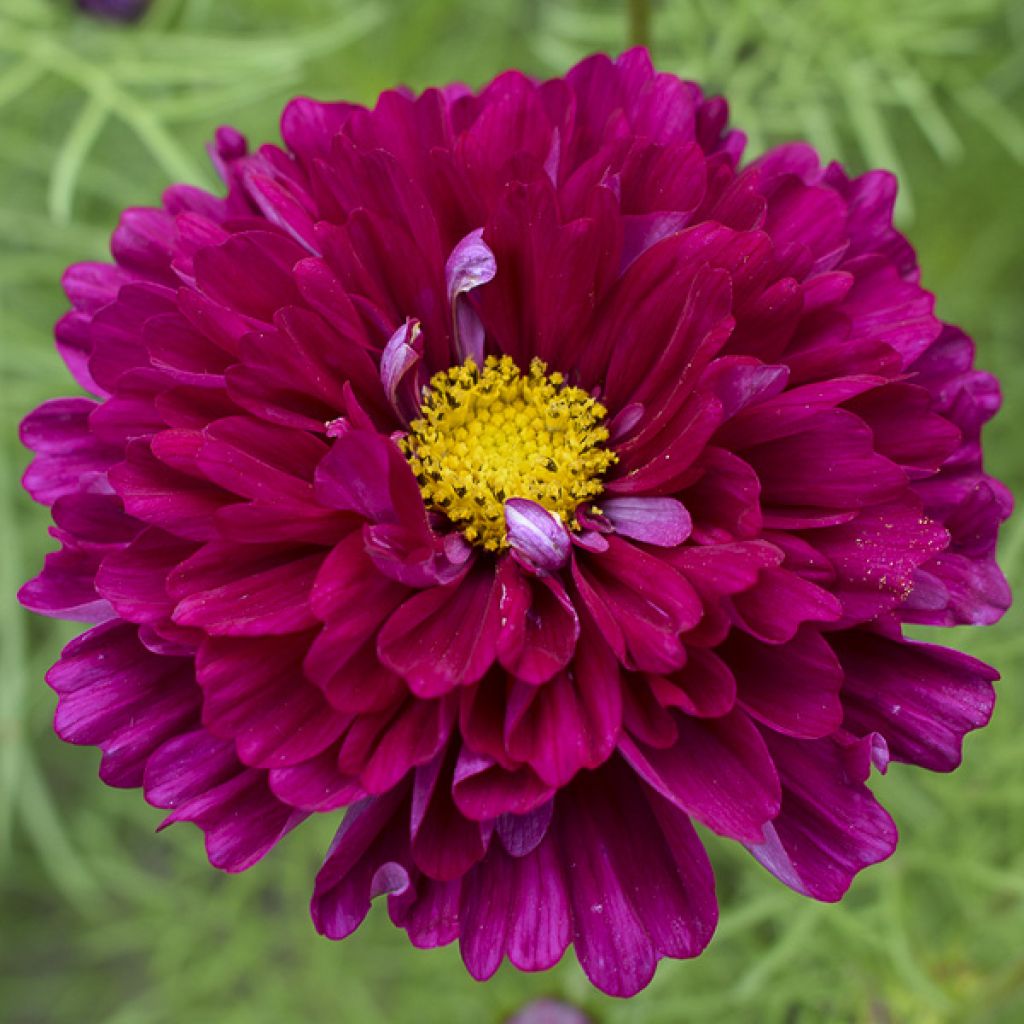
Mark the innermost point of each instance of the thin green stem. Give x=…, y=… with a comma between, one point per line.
x=640, y=22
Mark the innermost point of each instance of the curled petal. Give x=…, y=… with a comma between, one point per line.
x=470, y=265
x=399, y=371
x=538, y=538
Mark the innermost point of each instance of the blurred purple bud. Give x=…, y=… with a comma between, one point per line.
x=549, y=1011
x=114, y=10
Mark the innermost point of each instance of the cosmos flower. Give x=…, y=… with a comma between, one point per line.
x=115, y=10
x=548, y=1011
x=523, y=472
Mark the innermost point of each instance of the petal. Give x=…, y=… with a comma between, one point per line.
x=446, y=636
x=539, y=625
x=791, y=687
x=663, y=522
x=514, y=906
x=398, y=369
x=470, y=265
x=780, y=603
x=254, y=692
x=640, y=603
x=66, y=588
x=703, y=687
x=719, y=771
x=521, y=834
x=538, y=538
x=571, y=722
x=229, y=590
x=444, y=844
x=134, y=579
x=483, y=790
x=921, y=698
x=315, y=785
x=199, y=776
x=365, y=860
x=116, y=695
x=830, y=826
x=641, y=886
x=69, y=457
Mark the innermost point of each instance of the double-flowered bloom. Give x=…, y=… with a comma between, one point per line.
x=521, y=472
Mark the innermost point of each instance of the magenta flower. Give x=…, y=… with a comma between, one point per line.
x=115, y=10
x=548, y=1011
x=519, y=470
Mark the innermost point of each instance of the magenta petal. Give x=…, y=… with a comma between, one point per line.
x=663, y=522
x=445, y=845
x=199, y=777
x=640, y=603
x=66, y=588
x=134, y=579
x=413, y=737
x=641, y=231
x=315, y=785
x=628, y=417
x=446, y=636
x=570, y=723
x=538, y=538
x=703, y=687
x=428, y=910
x=116, y=695
x=791, y=687
x=830, y=826
x=236, y=591
x=521, y=834
x=539, y=625
x=921, y=698
x=400, y=358
x=371, y=838
x=159, y=494
x=641, y=886
x=738, y=384
x=780, y=602
x=69, y=458
x=242, y=820
x=484, y=791
x=515, y=906
x=96, y=519
x=366, y=473
x=349, y=592
x=470, y=265
x=255, y=693
x=186, y=766
x=719, y=771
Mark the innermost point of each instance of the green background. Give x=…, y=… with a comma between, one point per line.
x=100, y=920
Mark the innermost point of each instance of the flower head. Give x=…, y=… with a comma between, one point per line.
x=115, y=10
x=523, y=472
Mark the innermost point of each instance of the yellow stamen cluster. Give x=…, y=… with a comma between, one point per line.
x=487, y=435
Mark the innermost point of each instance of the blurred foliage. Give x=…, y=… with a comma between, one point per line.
x=100, y=921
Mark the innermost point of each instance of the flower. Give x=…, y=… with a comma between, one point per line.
x=548, y=1011
x=115, y=10
x=521, y=471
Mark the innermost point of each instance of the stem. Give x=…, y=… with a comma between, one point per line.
x=640, y=22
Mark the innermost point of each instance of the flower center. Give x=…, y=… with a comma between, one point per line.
x=487, y=435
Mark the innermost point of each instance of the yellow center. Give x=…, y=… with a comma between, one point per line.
x=488, y=435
